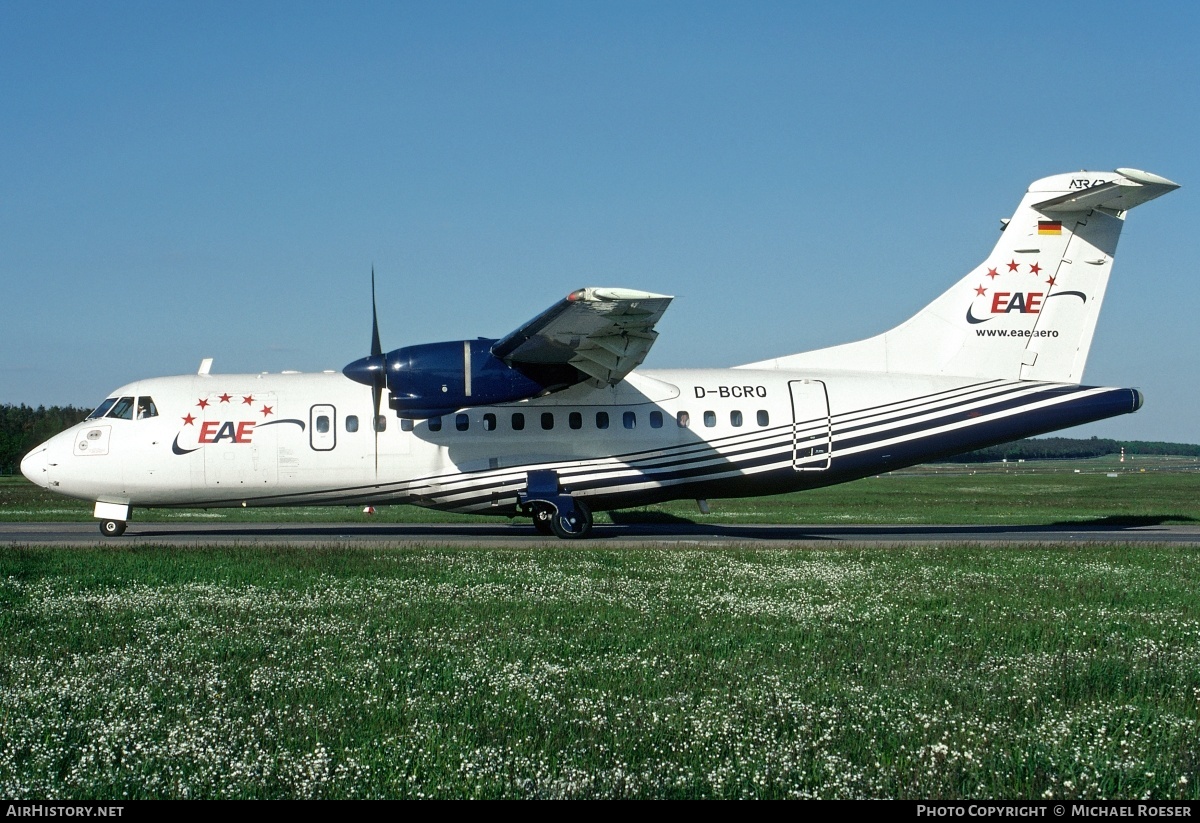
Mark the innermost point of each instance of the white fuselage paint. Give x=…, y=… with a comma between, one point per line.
x=259, y=440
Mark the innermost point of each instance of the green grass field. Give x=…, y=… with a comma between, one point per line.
x=567, y=671
x=1070, y=672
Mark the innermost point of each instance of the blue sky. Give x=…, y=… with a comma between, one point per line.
x=205, y=179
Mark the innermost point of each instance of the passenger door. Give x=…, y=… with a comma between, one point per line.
x=812, y=428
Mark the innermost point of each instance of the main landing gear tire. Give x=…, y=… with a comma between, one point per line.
x=574, y=527
x=112, y=528
x=542, y=516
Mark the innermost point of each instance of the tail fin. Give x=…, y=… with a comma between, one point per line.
x=1029, y=310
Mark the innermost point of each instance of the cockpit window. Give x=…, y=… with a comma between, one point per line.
x=102, y=409
x=146, y=408
x=122, y=409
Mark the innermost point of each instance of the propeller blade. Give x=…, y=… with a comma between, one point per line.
x=380, y=375
x=375, y=347
x=372, y=371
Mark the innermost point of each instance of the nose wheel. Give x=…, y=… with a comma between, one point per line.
x=112, y=528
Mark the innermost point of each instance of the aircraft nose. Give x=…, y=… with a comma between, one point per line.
x=36, y=467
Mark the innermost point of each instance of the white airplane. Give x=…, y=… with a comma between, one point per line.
x=552, y=421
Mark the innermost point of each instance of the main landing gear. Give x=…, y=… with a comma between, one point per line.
x=549, y=521
x=553, y=512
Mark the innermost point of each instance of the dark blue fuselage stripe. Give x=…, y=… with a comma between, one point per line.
x=1070, y=412
x=908, y=414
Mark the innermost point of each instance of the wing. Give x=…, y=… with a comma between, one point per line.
x=605, y=333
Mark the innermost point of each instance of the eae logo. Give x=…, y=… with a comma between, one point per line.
x=196, y=432
x=1014, y=296
x=1006, y=302
x=210, y=433
x=1025, y=302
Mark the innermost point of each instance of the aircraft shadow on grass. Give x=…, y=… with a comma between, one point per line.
x=1127, y=521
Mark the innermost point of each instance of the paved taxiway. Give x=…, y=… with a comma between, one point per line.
x=523, y=536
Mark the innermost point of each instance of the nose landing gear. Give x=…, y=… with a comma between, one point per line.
x=113, y=518
x=112, y=528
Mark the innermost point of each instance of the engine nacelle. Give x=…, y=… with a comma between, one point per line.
x=433, y=379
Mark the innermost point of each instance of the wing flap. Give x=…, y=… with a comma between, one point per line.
x=605, y=333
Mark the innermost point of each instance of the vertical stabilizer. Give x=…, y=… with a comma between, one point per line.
x=1030, y=309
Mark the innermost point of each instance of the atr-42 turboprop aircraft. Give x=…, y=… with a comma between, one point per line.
x=552, y=421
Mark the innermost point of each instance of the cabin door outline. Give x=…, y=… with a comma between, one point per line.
x=812, y=426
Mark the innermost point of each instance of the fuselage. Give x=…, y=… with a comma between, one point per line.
x=290, y=439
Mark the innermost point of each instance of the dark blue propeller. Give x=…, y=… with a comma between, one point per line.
x=372, y=370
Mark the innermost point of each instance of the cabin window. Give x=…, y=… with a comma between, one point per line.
x=683, y=419
x=462, y=422
x=547, y=420
x=710, y=419
x=146, y=408
x=602, y=420
x=629, y=420
x=435, y=424
x=122, y=409
x=735, y=418
x=406, y=424
x=380, y=423
x=489, y=422
x=763, y=418
x=518, y=421
x=575, y=420
x=102, y=409
x=322, y=424
x=352, y=422
x=656, y=420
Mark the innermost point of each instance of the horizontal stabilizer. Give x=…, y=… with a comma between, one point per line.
x=1133, y=188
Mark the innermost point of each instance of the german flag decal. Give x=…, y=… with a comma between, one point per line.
x=1049, y=227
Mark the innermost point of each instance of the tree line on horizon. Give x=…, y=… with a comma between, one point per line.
x=1064, y=448
x=24, y=427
